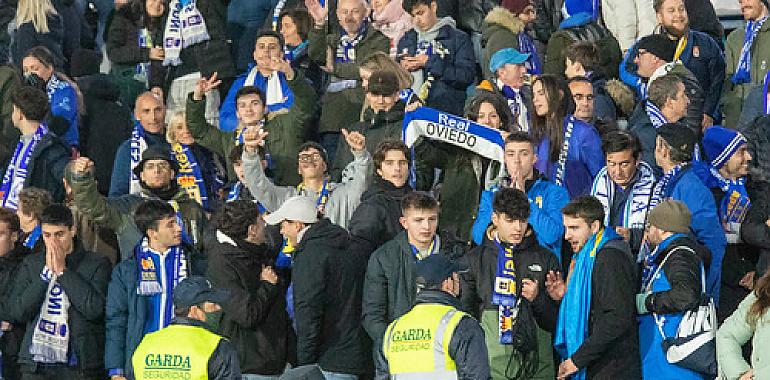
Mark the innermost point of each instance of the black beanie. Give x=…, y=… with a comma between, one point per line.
x=658, y=45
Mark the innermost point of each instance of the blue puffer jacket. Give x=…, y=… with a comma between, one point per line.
x=688, y=188
x=453, y=72
x=545, y=203
x=703, y=57
x=584, y=159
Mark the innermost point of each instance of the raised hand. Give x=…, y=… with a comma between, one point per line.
x=82, y=166
x=253, y=138
x=268, y=274
x=317, y=11
x=282, y=65
x=555, y=286
x=205, y=85
x=355, y=140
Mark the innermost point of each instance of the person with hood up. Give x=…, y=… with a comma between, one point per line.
x=508, y=26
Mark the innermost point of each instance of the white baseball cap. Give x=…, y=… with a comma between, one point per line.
x=300, y=208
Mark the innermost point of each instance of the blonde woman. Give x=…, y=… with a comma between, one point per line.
x=37, y=23
x=197, y=173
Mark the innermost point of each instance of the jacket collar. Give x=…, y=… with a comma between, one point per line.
x=439, y=297
x=506, y=19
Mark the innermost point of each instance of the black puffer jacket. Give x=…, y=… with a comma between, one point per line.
x=327, y=302
x=531, y=260
x=46, y=166
x=10, y=341
x=105, y=125
x=683, y=273
x=256, y=321
x=376, y=219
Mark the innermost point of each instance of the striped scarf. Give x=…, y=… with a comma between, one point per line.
x=743, y=70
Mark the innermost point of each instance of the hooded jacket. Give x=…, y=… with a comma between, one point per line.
x=376, y=219
x=327, y=298
x=255, y=320
x=453, y=68
x=105, y=125
x=500, y=30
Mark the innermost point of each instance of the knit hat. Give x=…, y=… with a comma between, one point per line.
x=383, y=83
x=658, y=45
x=516, y=6
x=671, y=216
x=679, y=136
x=720, y=144
x=505, y=56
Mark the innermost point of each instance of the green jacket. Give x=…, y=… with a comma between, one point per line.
x=285, y=132
x=463, y=174
x=734, y=333
x=116, y=213
x=734, y=95
x=343, y=108
x=499, y=30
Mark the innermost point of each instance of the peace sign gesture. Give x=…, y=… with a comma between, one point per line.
x=205, y=85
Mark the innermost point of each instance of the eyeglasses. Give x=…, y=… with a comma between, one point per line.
x=307, y=158
x=157, y=166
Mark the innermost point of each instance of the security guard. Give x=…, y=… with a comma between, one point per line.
x=434, y=340
x=188, y=348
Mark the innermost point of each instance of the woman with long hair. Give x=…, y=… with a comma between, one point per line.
x=569, y=150
x=294, y=27
x=750, y=321
x=37, y=23
x=465, y=174
x=135, y=47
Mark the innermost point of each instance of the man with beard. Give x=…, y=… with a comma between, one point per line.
x=696, y=50
x=157, y=173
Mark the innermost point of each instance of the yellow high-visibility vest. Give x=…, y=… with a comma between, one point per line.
x=417, y=344
x=175, y=352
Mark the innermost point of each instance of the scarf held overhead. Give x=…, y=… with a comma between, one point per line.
x=185, y=27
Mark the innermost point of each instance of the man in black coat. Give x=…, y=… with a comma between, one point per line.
x=12, y=252
x=376, y=219
x=255, y=319
x=327, y=291
x=600, y=298
x=65, y=287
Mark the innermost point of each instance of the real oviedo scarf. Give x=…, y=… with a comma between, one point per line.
x=50, y=339
x=149, y=281
x=137, y=145
x=504, y=291
x=16, y=172
x=185, y=27
x=190, y=176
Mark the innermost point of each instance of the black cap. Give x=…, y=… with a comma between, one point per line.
x=383, y=83
x=434, y=269
x=196, y=290
x=679, y=136
x=659, y=45
x=156, y=152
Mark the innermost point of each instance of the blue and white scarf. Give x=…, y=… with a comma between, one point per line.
x=277, y=13
x=148, y=281
x=189, y=176
x=543, y=162
x=635, y=209
x=346, y=50
x=655, y=114
x=650, y=265
x=527, y=45
x=278, y=94
x=743, y=70
x=185, y=27
x=504, y=291
x=659, y=192
x=735, y=203
x=33, y=237
x=16, y=172
x=290, y=54
x=574, y=312
x=444, y=127
x=142, y=70
x=137, y=144
x=50, y=339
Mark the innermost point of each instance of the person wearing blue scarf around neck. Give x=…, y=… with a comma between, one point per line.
x=596, y=331
x=746, y=58
x=140, y=295
x=672, y=275
x=569, y=151
x=506, y=278
x=673, y=153
x=60, y=297
x=149, y=130
x=726, y=175
x=508, y=80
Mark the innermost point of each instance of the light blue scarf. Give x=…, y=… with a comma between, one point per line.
x=572, y=325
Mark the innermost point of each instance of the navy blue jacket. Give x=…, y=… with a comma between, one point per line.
x=703, y=57
x=453, y=73
x=46, y=166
